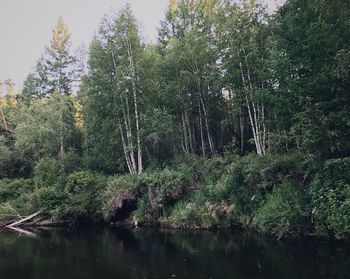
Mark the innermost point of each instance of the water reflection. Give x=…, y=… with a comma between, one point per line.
x=111, y=253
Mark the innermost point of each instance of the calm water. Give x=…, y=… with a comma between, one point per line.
x=111, y=253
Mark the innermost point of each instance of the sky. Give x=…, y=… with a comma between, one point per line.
x=26, y=27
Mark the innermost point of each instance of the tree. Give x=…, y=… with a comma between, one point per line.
x=56, y=69
x=59, y=62
x=43, y=126
x=113, y=80
x=312, y=101
x=243, y=35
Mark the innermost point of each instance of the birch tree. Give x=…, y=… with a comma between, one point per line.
x=118, y=44
x=243, y=37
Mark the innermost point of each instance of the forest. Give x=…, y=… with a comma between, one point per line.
x=235, y=116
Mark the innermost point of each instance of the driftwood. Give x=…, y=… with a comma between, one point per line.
x=17, y=223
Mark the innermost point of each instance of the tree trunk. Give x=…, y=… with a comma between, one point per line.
x=184, y=130
x=133, y=83
x=23, y=220
x=201, y=130
x=210, y=139
x=190, y=133
x=241, y=126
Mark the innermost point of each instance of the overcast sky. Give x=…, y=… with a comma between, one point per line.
x=26, y=27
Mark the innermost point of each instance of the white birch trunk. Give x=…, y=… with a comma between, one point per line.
x=134, y=91
x=201, y=130
x=210, y=139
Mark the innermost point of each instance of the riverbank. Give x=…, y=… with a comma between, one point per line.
x=285, y=196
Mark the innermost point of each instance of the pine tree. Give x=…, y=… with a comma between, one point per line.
x=59, y=63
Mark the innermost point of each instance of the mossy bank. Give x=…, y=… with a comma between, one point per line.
x=289, y=195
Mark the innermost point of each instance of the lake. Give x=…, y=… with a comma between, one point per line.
x=149, y=253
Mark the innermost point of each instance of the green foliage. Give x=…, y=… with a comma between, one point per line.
x=310, y=37
x=284, y=211
x=330, y=193
x=224, y=79
x=71, y=161
x=11, y=189
x=5, y=153
x=50, y=200
x=247, y=180
x=167, y=185
x=187, y=214
x=198, y=211
x=79, y=197
x=143, y=212
x=17, y=194
x=43, y=125
x=129, y=182
x=83, y=191
x=49, y=172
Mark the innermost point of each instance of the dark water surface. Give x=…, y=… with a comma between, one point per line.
x=142, y=253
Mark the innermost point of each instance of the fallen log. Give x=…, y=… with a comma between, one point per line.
x=23, y=220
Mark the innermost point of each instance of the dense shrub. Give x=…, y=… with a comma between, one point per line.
x=13, y=188
x=190, y=214
x=5, y=155
x=116, y=184
x=11, y=163
x=330, y=194
x=156, y=189
x=71, y=162
x=144, y=212
x=83, y=190
x=49, y=172
x=78, y=198
x=167, y=185
x=248, y=180
x=16, y=193
x=50, y=201
x=202, y=169
x=284, y=211
x=263, y=173
x=196, y=211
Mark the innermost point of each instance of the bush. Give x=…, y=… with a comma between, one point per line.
x=201, y=169
x=80, y=197
x=265, y=172
x=13, y=188
x=144, y=212
x=49, y=172
x=11, y=165
x=157, y=189
x=167, y=185
x=83, y=190
x=187, y=214
x=284, y=212
x=117, y=184
x=5, y=155
x=196, y=211
x=330, y=194
x=52, y=171
x=16, y=193
x=50, y=200
x=247, y=180
x=71, y=162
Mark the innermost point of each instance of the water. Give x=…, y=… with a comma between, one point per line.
x=113, y=253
